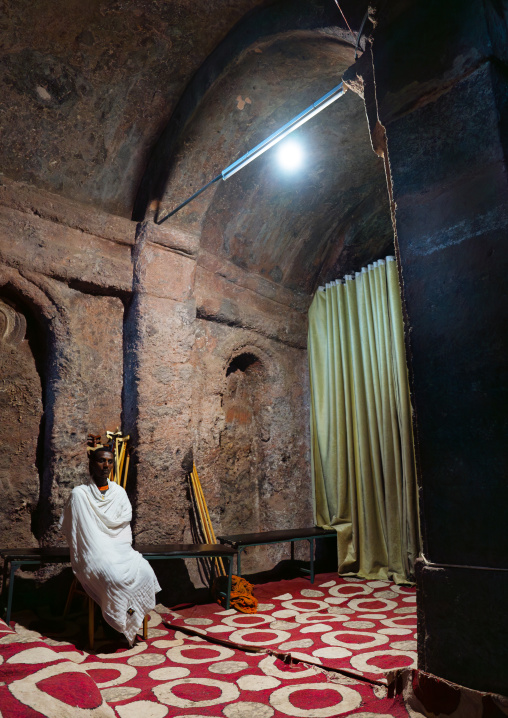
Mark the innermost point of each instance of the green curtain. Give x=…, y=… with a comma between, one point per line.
x=361, y=432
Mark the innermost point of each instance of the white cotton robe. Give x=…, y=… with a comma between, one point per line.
x=117, y=577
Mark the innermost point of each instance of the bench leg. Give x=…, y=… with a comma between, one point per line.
x=4, y=581
x=14, y=567
x=145, y=627
x=230, y=581
x=239, y=561
x=72, y=591
x=91, y=621
x=292, y=551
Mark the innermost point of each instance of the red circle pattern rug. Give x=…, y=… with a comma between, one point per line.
x=285, y=664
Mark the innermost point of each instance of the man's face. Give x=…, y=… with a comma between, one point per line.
x=101, y=463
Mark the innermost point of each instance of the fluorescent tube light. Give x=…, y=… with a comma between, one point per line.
x=270, y=141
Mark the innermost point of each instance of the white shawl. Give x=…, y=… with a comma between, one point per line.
x=117, y=577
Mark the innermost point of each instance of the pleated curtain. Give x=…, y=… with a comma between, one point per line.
x=361, y=431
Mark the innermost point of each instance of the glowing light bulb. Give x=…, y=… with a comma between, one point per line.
x=290, y=155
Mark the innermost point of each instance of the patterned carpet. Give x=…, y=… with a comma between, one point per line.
x=334, y=625
x=364, y=627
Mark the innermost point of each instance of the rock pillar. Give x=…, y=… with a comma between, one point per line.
x=158, y=388
x=440, y=84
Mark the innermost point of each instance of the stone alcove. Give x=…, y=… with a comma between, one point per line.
x=242, y=442
x=21, y=411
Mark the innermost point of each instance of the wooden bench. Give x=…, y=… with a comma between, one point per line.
x=15, y=558
x=18, y=558
x=154, y=552
x=241, y=541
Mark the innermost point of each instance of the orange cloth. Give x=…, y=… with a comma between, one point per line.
x=242, y=594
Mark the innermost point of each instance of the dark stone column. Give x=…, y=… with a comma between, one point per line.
x=441, y=95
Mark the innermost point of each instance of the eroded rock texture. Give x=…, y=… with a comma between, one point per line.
x=252, y=440
x=86, y=88
x=191, y=335
x=61, y=378
x=87, y=385
x=21, y=411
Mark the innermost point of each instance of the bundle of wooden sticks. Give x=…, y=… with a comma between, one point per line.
x=204, y=516
x=122, y=458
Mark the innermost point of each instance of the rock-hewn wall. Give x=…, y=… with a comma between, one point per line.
x=45, y=417
x=252, y=434
x=85, y=88
x=70, y=284
x=141, y=328
x=217, y=372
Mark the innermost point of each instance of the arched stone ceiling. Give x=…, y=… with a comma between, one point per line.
x=91, y=91
x=296, y=229
x=88, y=87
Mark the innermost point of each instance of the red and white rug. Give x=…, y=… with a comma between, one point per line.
x=174, y=674
x=363, y=627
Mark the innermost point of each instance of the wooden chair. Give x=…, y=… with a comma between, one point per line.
x=76, y=588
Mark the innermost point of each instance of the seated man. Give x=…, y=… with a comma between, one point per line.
x=96, y=522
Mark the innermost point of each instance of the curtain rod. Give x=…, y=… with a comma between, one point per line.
x=270, y=141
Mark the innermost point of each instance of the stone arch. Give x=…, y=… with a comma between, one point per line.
x=296, y=230
x=243, y=440
x=21, y=415
x=243, y=362
x=31, y=322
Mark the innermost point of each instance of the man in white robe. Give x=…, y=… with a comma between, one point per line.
x=96, y=522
